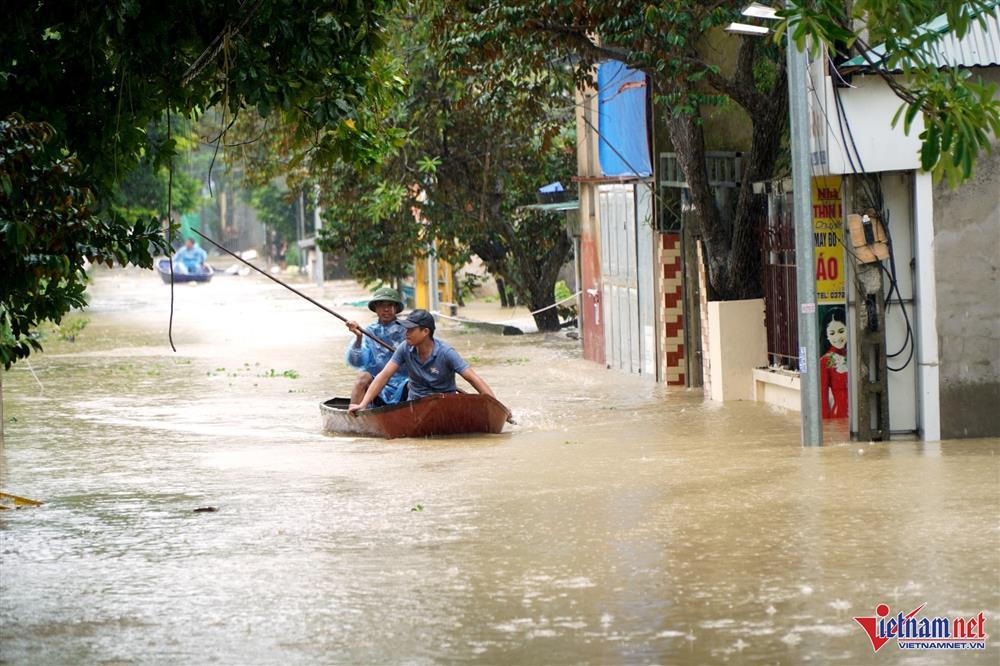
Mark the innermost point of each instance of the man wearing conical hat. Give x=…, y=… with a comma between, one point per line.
x=369, y=357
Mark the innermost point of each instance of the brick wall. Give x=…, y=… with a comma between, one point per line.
x=672, y=312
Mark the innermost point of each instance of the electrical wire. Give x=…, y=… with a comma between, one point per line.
x=826, y=118
x=642, y=179
x=875, y=196
x=833, y=68
x=170, y=247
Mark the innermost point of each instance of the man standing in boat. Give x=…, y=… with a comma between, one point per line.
x=370, y=357
x=430, y=364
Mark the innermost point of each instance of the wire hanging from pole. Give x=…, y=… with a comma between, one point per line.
x=876, y=198
x=170, y=233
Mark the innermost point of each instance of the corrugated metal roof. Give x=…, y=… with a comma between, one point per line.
x=979, y=47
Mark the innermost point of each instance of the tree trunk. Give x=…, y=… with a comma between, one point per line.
x=688, y=138
x=541, y=298
x=456, y=286
x=502, y=291
x=537, y=279
x=769, y=116
x=733, y=255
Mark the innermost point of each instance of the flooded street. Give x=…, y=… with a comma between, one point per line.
x=617, y=522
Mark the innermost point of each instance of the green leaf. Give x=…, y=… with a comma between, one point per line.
x=930, y=150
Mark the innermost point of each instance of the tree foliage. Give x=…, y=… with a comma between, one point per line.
x=472, y=142
x=49, y=224
x=276, y=208
x=960, y=111
x=99, y=75
x=149, y=190
x=494, y=130
x=368, y=219
x=692, y=67
x=678, y=44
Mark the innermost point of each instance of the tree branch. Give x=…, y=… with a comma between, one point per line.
x=577, y=37
x=742, y=88
x=212, y=51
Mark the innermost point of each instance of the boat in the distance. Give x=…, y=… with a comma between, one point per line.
x=163, y=268
x=436, y=414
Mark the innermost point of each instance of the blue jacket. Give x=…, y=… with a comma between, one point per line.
x=192, y=258
x=372, y=357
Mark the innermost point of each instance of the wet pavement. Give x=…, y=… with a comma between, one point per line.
x=618, y=522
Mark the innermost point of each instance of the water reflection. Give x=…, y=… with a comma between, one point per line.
x=617, y=523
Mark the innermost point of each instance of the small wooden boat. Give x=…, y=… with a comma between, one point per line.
x=163, y=268
x=437, y=414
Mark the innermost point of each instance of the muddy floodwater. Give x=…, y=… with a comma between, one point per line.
x=617, y=523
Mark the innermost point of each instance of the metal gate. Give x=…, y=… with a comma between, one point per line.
x=625, y=214
x=780, y=286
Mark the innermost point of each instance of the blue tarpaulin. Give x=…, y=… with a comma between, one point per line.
x=621, y=121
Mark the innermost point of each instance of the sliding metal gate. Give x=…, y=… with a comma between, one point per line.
x=626, y=277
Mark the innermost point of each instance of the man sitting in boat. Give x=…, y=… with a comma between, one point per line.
x=430, y=364
x=369, y=357
x=190, y=259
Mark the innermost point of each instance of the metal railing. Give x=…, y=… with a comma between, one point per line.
x=724, y=175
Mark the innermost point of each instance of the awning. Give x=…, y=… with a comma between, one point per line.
x=554, y=207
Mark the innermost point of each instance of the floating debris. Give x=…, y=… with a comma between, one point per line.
x=18, y=502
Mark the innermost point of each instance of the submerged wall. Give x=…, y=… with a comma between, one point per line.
x=967, y=262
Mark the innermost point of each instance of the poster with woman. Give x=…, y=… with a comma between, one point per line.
x=833, y=363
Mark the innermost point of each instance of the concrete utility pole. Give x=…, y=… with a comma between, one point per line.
x=317, y=225
x=432, y=279
x=812, y=424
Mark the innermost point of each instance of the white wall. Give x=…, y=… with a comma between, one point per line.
x=869, y=107
x=737, y=344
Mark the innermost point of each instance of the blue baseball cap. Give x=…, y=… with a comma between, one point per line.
x=418, y=319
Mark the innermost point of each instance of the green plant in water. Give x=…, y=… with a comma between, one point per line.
x=290, y=374
x=566, y=310
x=419, y=507
x=71, y=328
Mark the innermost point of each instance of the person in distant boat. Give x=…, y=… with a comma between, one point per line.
x=369, y=357
x=430, y=364
x=190, y=259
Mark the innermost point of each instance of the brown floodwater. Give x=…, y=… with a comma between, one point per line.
x=617, y=522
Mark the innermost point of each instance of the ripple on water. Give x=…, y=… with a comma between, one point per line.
x=620, y=522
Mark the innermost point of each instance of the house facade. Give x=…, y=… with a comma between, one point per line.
x=632, y=300
x=934, y=297
x=941, y=285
